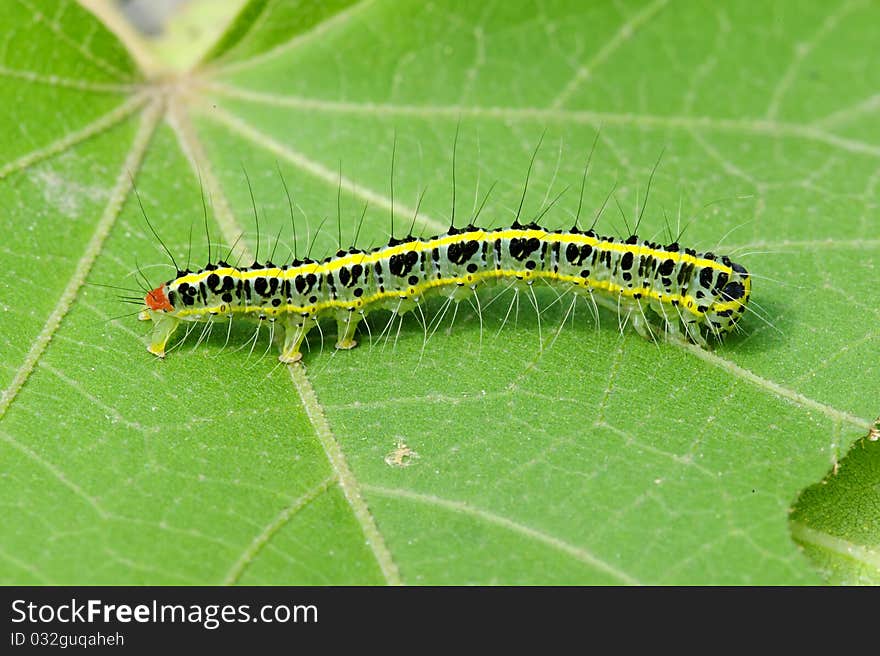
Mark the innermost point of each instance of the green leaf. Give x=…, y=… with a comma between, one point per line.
x=837, y=521
x=504, y=448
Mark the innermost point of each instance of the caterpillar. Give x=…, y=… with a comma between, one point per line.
x=690, y=294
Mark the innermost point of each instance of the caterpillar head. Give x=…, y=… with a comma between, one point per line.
x=157, y=299
x=731, y=299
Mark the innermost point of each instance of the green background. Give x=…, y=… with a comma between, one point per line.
x=500, y=451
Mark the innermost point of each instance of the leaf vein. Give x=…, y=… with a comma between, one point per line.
x=71, y=139
x=498, y=520
x=336, y=20
x=321, y=172
x=757, y=126
x=801, y=51
x=234, y=574
x=70, y=83
x=54, y=27
x=768, y=385
x=860, y=553
x=57, y=473
x=623, y=34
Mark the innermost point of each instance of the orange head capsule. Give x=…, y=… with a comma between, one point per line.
x=157, y=300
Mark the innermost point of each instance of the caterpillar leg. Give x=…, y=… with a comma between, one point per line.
x=632, y=311
x=164, y=326
x=668, y=324
x=463, y=292
x=346, y=325
x=640, y=322
x=692, y=329
x=295, y=330
x=625, y=309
